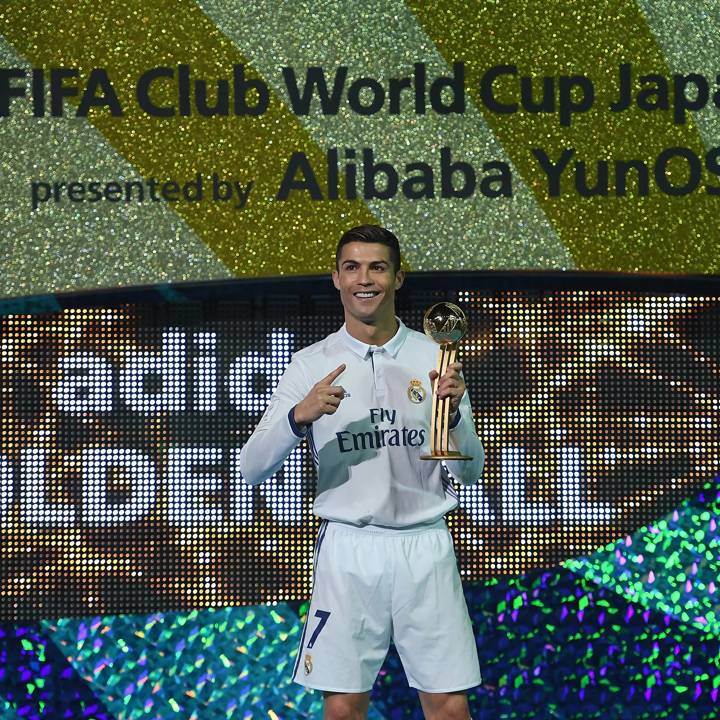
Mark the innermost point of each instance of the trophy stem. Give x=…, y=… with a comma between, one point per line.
x=441, y=408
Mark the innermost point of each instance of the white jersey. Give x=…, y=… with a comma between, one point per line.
x=367, y=454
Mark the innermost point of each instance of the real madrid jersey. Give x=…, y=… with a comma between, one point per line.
x=367, y=454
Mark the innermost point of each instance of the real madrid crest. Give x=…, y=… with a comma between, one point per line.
x=308, y=663
x=416, y=392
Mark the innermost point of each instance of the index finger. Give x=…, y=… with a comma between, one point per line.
x=330, y=377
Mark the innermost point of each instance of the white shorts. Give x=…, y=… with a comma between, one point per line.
x=372, y=584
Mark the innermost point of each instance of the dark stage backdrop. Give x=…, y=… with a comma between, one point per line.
x=131, y=544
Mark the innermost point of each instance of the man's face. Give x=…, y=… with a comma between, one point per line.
x=367, y=282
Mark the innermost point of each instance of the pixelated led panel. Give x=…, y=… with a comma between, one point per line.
x=596, y=409
x=121, y=429
x=105, y=413
x=226, y=663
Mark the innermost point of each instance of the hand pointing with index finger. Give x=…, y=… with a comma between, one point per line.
x=323, y=399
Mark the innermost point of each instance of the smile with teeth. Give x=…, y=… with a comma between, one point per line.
x=366, y=294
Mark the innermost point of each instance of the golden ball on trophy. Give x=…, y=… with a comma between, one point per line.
x=445, y=323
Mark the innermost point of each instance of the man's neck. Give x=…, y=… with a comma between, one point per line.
x=372, y=334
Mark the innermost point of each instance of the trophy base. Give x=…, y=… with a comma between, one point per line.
x=447, y=455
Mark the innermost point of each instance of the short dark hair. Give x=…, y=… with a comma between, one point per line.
x=371, y=234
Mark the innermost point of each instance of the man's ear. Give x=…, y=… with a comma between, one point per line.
x=336, y=279
x=399, y=279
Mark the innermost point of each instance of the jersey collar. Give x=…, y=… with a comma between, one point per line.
x=362, y=349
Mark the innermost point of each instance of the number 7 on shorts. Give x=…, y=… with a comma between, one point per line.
x=323, y=615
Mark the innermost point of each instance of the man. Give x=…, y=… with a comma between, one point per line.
x=384, y=561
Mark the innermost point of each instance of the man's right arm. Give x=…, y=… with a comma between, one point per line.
x=291, y=409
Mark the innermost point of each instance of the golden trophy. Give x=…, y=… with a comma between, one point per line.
x=446, y=324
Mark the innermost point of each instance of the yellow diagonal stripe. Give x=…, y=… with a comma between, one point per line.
x=654, y=233
x=127, y=37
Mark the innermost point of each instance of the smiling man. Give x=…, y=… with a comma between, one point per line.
x=384, y=563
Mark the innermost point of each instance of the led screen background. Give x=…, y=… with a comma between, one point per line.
x=122, y=425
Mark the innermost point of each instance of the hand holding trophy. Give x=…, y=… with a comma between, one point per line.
x=446, y=324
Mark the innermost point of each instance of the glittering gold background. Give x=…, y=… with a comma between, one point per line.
x=63, y=246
